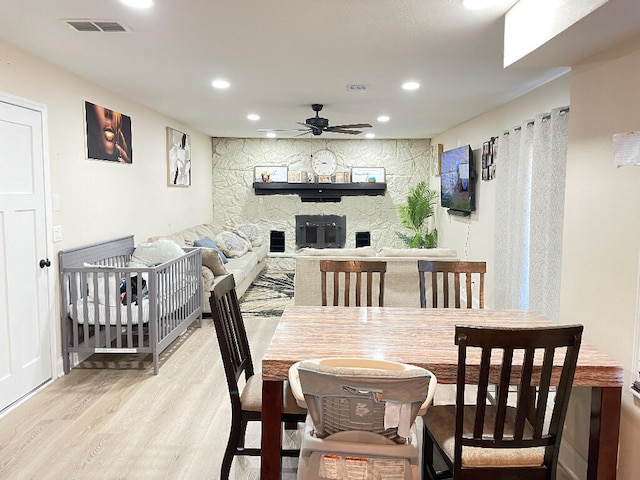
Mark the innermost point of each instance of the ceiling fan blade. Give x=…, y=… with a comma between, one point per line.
x=281, y=129
x=353, y=125
x=342, y=130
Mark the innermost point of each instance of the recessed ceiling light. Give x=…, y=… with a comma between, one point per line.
x=370, y=135
x=138, y=3
x=253, y=117
x=383, y=118
x=220, y=84
x=411, y=85
x=271, y=135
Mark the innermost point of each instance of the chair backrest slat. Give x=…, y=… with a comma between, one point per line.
x=533, y=362
x=342, y=269
x=231, y=333
x=449, y=274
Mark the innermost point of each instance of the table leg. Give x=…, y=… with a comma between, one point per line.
x=604, y=433
x=271, y=430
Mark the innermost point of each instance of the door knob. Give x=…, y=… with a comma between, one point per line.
x=45, y=263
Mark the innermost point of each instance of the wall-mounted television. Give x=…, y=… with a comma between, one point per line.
x=457, y=181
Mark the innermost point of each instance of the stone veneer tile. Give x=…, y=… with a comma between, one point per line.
x=406, y=163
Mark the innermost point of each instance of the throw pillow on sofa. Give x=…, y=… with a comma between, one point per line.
x=155, y=253
x=206, y=242
x=252, y=232
x=231, y=244
x=212, y=260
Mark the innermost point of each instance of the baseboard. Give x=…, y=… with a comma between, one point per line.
x=571, y=465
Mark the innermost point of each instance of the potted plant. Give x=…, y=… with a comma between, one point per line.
x=420, y=206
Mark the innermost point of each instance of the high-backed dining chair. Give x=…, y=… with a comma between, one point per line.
x=342, y=271
x=519, y=436
x=246, y=404
x=447, y=274
x=362, y=417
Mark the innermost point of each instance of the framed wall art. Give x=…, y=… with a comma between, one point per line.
x=368, y=175
x=488, y=160
x=178, y=158
x=270, y=173
x=108, y=134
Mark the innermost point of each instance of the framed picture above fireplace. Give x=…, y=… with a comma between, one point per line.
x=368, y=174
x=270, y=173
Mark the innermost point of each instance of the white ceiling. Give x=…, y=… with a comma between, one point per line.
x=283, y=55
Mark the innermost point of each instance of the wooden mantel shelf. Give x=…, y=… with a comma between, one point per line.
x=320, y=192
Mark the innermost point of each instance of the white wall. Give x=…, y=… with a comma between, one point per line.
x=602, y=232
x=472, y=236
x=102, y=200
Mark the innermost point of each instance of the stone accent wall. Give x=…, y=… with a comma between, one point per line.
x=406, y=162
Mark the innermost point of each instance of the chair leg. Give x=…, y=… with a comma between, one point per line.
x=229, y=453
x=428, y=468
x=243, y=432
x=235, y=444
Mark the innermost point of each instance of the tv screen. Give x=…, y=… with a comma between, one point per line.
x=457, y=175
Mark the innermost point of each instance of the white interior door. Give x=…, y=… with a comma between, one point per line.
x=25, y=335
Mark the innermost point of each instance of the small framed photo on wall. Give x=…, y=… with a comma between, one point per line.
x=488, y=160
x=178, y=158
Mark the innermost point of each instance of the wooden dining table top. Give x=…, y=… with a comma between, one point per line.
x=423, y=337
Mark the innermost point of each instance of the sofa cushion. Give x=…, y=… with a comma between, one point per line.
x=417, y=252
x=231, y=244
x=212, y=260
x=206, y=242
x=338, y=252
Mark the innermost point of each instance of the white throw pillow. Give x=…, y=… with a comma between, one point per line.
x=155, y=253
x=252, y=231
x=231, y=244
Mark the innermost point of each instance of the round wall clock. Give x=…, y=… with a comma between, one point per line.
x=324, y=162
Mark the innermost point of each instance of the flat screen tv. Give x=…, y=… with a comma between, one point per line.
x=457, y=181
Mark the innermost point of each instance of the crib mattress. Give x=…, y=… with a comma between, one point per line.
x=78, y=313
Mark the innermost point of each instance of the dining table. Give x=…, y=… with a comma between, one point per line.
x=422, y=337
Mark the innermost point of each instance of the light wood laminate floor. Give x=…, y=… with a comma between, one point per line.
x=107, y=421
x=110, y=420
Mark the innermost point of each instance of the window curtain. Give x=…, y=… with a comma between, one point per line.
x=530, y=186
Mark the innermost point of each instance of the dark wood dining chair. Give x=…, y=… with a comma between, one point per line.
x=518, y=437
x=448, y=273
x=246, y=404
x=342, y=271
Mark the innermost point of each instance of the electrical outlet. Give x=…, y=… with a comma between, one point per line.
x=57, y=233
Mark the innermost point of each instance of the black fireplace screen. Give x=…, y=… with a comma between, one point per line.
x=321, y=231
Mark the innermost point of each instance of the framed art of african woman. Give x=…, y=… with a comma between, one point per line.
x=108, y=134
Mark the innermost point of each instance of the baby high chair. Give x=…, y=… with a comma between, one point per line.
x=361, y=421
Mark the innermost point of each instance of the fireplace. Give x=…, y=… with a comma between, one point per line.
x=321, y=231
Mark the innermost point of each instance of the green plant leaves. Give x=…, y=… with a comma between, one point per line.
x=421, y=204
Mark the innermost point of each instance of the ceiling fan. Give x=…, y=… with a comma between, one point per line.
x=317, y=125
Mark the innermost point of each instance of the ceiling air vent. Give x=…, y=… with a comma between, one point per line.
x=96, y=26
x=357, y=87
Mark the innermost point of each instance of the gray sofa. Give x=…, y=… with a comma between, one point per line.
x=245, y=266
x=401, y=289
